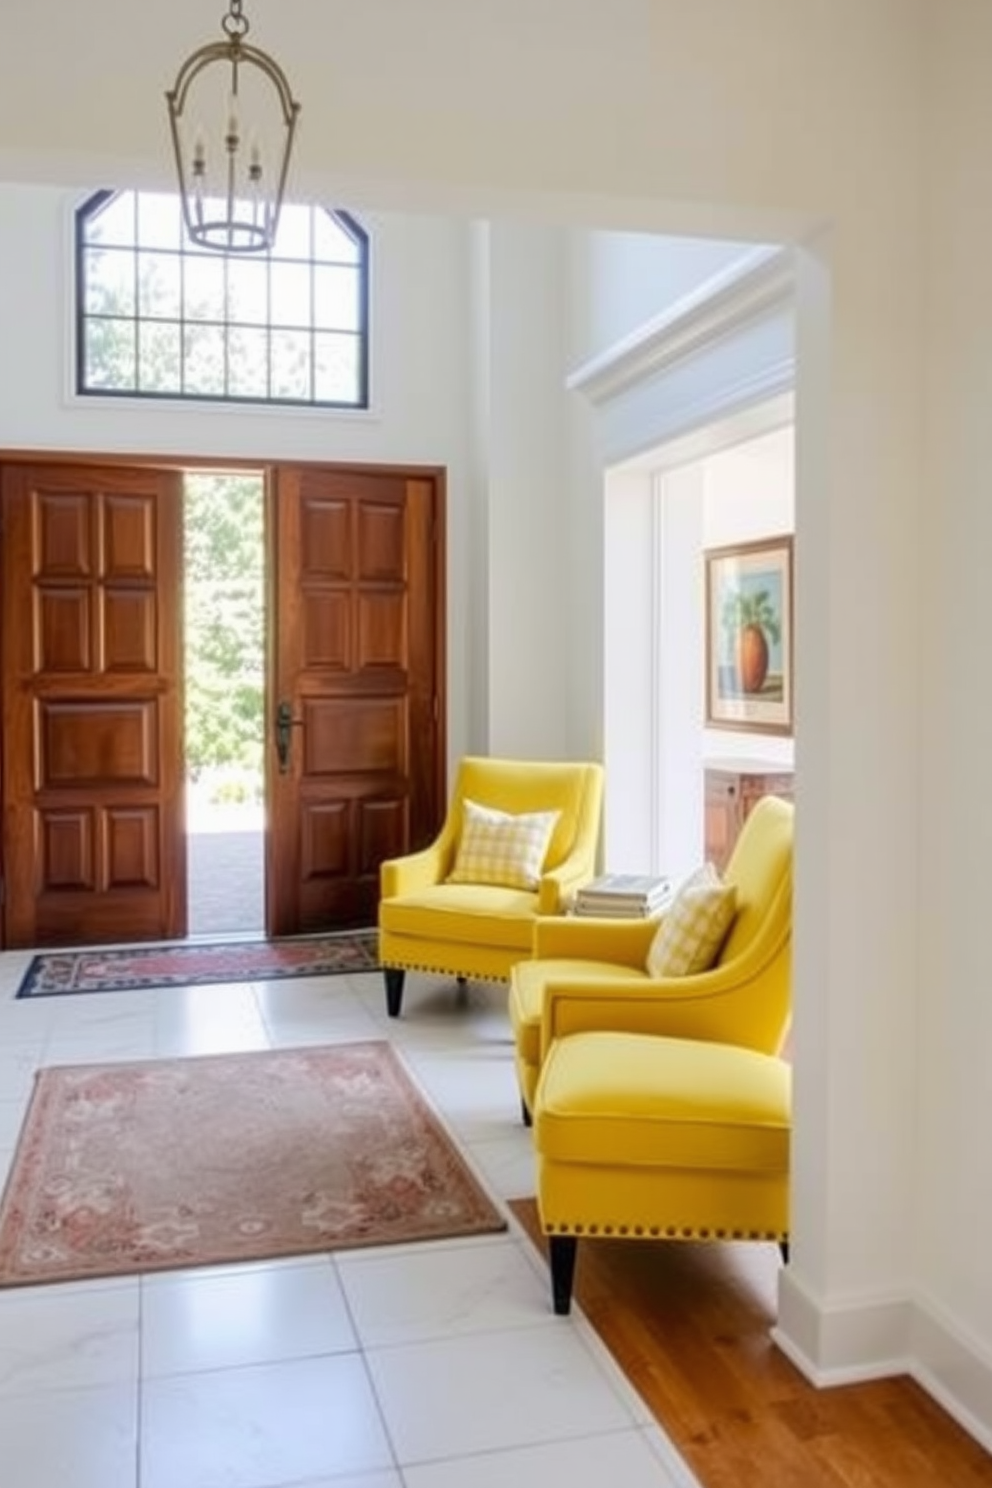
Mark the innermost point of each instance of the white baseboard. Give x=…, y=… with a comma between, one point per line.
x=955, y=1369
x=875, y=1338
x=866, y=1338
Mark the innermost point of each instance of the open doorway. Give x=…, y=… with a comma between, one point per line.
x=690, y=782
x=224, y=665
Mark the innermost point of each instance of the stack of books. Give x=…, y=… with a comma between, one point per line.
x=625, y=895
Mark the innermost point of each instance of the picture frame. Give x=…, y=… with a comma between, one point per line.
x=749, y=612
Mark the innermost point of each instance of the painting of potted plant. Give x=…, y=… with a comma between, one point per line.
x=749, y=636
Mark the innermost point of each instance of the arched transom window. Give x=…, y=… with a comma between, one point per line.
x=158, y=317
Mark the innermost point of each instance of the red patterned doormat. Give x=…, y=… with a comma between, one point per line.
x=189, y=964
x=126, y=1168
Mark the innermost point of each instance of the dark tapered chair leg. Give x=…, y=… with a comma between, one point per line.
x=783, y=1246
x=525, y=1115
x=562, y=1249
x=394, y=990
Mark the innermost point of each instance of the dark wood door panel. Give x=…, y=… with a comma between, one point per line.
x=63, y=538
x=343, y=840
x=96, y=744
x=325, y=630
x=382, y=641
x=129, y=635
x=357, y=657
x=93, y=808
x=63, y=631
x=128, y=546
x=380, y=538
x=87, y=848
x=354, y=736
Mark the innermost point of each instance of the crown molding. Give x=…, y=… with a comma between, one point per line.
x=757, y=284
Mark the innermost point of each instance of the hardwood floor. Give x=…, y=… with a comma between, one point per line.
x=689, y=1325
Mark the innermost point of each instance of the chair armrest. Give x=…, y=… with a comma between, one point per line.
x=557, y=888
x=589, y=938
x=558, y=885
x=409, y=875
x=620, y=1005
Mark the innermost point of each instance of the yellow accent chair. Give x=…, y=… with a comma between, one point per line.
x=480, y=929
x=592, y=973
x=644, y=1137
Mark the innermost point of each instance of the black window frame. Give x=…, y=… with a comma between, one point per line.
x=344, y=220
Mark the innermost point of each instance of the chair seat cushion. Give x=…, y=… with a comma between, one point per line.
x=638, y=1100
x=528, y=981
x=474, y=913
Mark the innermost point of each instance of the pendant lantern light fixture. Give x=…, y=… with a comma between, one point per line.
x=233, y=119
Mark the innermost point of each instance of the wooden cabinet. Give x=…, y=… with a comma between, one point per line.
x=731, y=790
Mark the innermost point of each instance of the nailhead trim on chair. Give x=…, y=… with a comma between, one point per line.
x=451, y=971
x=670, y=1232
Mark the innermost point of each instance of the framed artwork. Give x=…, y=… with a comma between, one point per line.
x=749, y=636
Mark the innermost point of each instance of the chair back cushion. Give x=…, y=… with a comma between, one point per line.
x=694, y=926
x=572, y=789
x=760, y=869
x=499, y=847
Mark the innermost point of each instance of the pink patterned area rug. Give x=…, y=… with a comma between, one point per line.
x=127, y=1168
x=189, y=964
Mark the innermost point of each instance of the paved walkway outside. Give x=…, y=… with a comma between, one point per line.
x=226, y=893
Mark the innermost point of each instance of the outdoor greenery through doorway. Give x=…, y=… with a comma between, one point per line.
x=224, y=664
x=225, y=635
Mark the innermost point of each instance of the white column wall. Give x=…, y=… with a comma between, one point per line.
x=474, y=615
x=583, y=661
x=844, y=1298
x=954, y=1176
x=528, y=527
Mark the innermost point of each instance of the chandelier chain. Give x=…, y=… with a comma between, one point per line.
x=235, y=25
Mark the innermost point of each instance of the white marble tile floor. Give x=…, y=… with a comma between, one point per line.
x=420, y=1366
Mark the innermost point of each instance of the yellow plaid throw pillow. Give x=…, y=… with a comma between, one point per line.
x=499, y=848
x=693, y=929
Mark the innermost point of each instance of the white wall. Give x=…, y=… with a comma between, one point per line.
x=621, y=280
x=785, y=119
x=749, y=490
x=421, y=363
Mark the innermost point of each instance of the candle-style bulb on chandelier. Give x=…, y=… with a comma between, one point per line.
x=233, y=119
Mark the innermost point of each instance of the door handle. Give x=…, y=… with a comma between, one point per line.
x=285, y=724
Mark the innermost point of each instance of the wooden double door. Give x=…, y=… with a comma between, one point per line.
x=93, y=768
